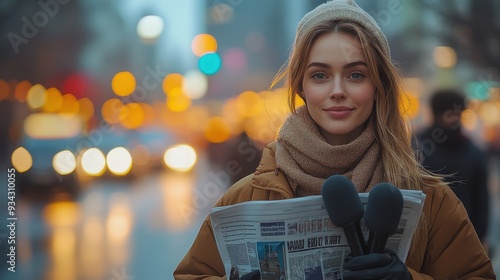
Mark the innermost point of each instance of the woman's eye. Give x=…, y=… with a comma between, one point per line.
x=356, y=76
x=319, y=76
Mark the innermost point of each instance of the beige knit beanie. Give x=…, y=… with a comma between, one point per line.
x=342, y=10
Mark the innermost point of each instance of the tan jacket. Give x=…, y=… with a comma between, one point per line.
x=444, y=247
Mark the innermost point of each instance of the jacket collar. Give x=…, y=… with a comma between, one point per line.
x=268, y=176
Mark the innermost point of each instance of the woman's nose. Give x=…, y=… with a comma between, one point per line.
x=337, y=90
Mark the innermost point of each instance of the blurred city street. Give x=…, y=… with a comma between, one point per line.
x=123, y=122
x=115, y=229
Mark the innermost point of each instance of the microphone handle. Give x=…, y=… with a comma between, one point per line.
x=376, y=242
x=361, y=238
x=353, y=240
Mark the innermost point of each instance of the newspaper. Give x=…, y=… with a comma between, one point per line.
x=295, y=238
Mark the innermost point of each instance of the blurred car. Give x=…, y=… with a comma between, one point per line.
x=46, y=135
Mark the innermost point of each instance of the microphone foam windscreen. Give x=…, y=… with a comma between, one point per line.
x=341, y=200
x=383, y=212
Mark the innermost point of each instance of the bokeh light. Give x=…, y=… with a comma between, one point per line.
x=195, y=84
x=178, y=102
x=249, y=104
x=210, y=63
x=123, y=83
x=132, y=115
x=86, y=108
x=180, y=157
x=410, y=105
x=119, y=161
x=64, y=162
x=111, y=110
x=171, y=82
x=217, y=130
x=93, y=162
x=69, y=104
x=36, y=97
x=21, y=91
x=53, y=101
x=150, y=27
x=21, y=160
x=203, y=43
x=444, y=56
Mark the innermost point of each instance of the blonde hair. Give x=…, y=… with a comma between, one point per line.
x=399, y=162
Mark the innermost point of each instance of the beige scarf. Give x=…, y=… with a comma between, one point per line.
x=307, y=159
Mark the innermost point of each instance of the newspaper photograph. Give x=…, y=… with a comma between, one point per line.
x=295, y=238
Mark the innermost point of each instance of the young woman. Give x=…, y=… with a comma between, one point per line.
x=352, y=125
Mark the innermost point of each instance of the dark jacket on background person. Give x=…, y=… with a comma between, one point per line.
x=465, y=166
x=445, y=245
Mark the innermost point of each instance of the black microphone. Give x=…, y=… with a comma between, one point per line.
x=383, y=212
x=345, y=210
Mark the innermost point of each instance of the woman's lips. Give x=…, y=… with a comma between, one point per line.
x=338, y=112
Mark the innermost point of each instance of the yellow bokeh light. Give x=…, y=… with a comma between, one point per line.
x=217, y=130
x=21, y=160
x=93, y=162
x=264, y=126
x=180, y=157
x=86, y=108
x=69, y=104
x=249, y=104
x=132, y=115
x=171, y=82
x=64, y=162
x=410, y=105
x=178, y=103
x=36, y=97
x=119, y=161
x=111, y=110
x=123, y=83
x=203, y=43
x=54, y=100
x=445, y=57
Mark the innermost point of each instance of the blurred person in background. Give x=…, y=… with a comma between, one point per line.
x=446, y=150
x=351, y=124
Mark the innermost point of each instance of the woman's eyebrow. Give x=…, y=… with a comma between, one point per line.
x=355, y=63
x=326, y=65
x=318, y=64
